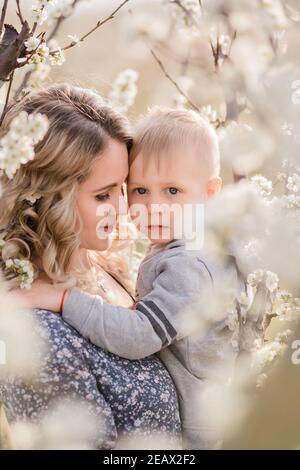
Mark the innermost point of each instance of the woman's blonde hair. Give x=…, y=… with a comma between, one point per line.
x=47, y=232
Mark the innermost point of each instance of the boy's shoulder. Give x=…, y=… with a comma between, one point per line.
x=176, y=257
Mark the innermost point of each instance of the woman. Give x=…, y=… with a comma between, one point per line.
x=48, y=214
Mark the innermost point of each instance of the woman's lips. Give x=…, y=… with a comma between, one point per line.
x=108, y=228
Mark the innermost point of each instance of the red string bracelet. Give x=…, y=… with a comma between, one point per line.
x=63, y=300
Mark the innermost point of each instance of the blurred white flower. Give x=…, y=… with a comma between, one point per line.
x=252, y=146
x=275, y=10
x=266, y=354
x=17, y=146
x=59, y=8
x=209, y=113
x=57, y=57
x=234, y=217
x=220, y=43
x=225, y=41
x=293, y=183
x=40, y=55
x=255, y=278
x=39, y=15
x=40, y=72
x=23, y=269
x=188, y=12
x=24, y=345
x=32, y=43
x=33, y=197
x=287, y=129
x=43, y=10
x=264, y=185
x=74, y=39
x=124, y=90
x=271, y=281
x=291, y=201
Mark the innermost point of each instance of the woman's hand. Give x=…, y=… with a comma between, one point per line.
x=42, y=295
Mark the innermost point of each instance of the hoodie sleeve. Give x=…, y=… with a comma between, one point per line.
x=158, y=319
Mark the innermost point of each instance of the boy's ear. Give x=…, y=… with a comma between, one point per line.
x=213, y=186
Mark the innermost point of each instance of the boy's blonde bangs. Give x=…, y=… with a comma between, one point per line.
x=164, y=129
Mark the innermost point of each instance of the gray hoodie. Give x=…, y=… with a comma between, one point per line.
x=172, y=317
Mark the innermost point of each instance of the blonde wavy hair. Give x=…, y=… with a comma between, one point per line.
x=47, y=232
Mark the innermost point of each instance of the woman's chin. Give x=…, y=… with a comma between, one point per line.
x=102, y=244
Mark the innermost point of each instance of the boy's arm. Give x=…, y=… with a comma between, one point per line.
x=157, y=319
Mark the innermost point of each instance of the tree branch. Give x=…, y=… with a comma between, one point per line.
x=11, y=78
x=98, y=25
x=58, y=23
x=162, y=67
x=12, y=43
x=23, y=84
x=19, y=13
x=186, y=11
x=3, y=13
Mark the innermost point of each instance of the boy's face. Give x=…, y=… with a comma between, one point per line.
x=180, y=182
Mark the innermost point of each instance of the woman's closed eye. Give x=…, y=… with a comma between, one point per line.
x=102, y=197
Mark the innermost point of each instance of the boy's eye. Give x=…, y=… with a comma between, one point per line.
x=172, y=190
x=140, y=190
x=102, y=197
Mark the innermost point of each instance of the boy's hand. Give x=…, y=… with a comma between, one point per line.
x=41, y=295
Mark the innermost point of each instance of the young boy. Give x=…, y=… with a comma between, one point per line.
x=174, y=161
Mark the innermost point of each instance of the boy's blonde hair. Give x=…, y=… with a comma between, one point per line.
x=165, y=128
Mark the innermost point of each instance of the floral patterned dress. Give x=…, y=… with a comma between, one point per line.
x=129, y=399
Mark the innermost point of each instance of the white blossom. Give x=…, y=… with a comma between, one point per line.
x=24, y=270
x=267, y=354
x=271, y=281
x=189, y=13
x=60, y=8
x=74, y=39
x=293, y=183
x=17, y=146
x=39, y=11
x=33, y=197
x=40, y=71
x=32, y=43
x=264, y=185
x=47, y=10
x=255, y=278
x=225, y=41
x=209, y=113
x=57, y=57
x=291, y=201
x=124, y=90
x=41, y=55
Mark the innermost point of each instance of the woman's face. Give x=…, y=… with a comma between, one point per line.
x=100, y=197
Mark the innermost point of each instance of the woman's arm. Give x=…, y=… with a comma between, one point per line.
x=158, y=319
x=42, y=295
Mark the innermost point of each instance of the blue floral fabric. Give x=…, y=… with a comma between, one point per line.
x=130, y=398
